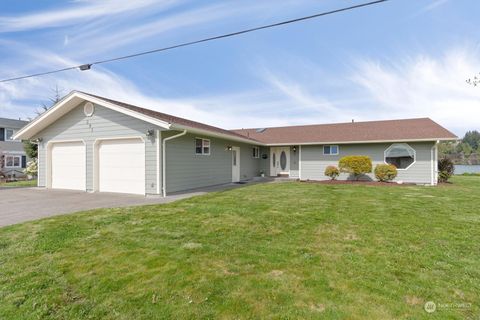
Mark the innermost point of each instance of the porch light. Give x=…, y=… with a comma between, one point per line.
x=294, y=148
x=229, y=148
x=150, y=133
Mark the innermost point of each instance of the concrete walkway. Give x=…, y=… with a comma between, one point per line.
x=25, y=204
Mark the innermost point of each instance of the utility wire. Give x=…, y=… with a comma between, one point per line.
x=87, y=66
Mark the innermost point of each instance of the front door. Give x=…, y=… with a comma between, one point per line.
x=235, y=164
x=280, y=161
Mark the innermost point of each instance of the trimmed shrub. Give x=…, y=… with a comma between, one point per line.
x=446, y=169
x=355, y=165
x=385, y=172
x=332, y=172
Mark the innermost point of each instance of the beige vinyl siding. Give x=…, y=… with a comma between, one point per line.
x=104, y=123
x=186, y=170
x=314, y=162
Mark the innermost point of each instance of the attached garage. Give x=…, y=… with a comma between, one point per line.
x=68, y=165
x=121, y=166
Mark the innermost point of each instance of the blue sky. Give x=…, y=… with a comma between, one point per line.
x=400, y=59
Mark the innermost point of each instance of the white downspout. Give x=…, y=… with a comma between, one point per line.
x=300, y=162
x=436, y=162
x=164, y=178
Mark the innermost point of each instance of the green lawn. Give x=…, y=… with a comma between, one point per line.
x=26, y=183
x=285, y=250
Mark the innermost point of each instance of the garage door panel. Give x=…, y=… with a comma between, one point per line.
x=122, y=166
x=68, y=166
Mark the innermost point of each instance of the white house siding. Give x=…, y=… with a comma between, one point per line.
x=187, y=170
x=105, y=123
x=313, y=162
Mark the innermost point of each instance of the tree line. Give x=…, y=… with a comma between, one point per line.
x=465, y=151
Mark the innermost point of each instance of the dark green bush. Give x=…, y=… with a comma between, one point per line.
x=446, y=169
x=385, y=172
x=332, y=172
x=355, y=165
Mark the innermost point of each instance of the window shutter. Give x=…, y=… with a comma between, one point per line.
x=2, y=134
x=24, y=161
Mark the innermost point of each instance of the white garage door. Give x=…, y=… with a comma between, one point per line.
x=121, y=166
x=68, y=166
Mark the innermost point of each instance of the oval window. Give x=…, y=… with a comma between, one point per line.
x=283, y=160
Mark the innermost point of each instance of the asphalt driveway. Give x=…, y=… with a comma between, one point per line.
x=24, y=204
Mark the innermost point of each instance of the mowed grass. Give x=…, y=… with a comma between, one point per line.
x=22, y=183
x=267, y=251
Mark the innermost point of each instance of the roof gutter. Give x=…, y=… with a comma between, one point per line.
x=164, y=167
x=217, y=135
x=359, y=142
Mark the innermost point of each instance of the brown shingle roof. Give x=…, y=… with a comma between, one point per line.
x=388, y=130
x=171, y=119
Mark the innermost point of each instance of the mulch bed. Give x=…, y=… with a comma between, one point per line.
x=353, y=182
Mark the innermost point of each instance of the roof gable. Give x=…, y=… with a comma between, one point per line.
x=159, y=119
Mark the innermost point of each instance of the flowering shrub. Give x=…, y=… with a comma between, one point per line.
x=32, y=168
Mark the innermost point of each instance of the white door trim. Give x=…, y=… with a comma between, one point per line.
x=236, y=168
x=95, y=164
x=48, y=160
x=275, y=169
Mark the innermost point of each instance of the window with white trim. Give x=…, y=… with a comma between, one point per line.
x=330, y=150
x=13, y=161
x=9, y=134
x=202, y=146
x=401, y=155
x=256, y=152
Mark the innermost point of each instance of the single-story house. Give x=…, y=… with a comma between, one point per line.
x=91, y=143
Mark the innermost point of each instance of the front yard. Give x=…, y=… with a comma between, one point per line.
x=22, y=183
x=284, y=250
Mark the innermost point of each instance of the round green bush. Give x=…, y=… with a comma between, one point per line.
x=385, y=172
x=332, y=172
x=356, y=165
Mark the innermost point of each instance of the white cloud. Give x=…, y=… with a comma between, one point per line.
x=418, y=86
x=431, y=6
x=119, y=37
x=435, y=4
x=423, y=86
x=83, y=11
x=288, y=91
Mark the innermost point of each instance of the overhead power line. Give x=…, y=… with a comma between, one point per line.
x=87, y=66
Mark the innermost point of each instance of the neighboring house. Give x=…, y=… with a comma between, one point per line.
x=91, y=143
x=12, y=155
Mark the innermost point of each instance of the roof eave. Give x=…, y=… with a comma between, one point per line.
x=360, y=142
x=215, y=134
